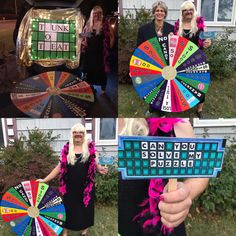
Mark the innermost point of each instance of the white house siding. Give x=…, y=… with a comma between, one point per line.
x=130, y=5
x=173, y=12
x=217, y=128
x=60, y=127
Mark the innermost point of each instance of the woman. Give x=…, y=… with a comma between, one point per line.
x=77, y=169
x=172, y=208
x=157, y=27
x=96, y=46
x=190, y=26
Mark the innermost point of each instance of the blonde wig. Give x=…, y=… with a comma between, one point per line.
x=185, y=6
x=85, y=151
x=135, y=126
x=89, y=25
x=161, y=4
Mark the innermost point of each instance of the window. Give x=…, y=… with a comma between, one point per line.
x=1, y=133
x=106, y=131
x=218, y=12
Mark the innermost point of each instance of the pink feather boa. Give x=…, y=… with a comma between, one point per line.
x=149, y=217
x=164, y=124
x=200, y=26
x=90, y=176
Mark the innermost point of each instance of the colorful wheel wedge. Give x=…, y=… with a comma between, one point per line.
x=53, y=94
x=33, y=208
x=170, y=73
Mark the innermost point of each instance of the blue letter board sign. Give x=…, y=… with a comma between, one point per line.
x=166, y=157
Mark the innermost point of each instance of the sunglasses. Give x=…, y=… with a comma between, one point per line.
x=186, y=10
x=78, y=133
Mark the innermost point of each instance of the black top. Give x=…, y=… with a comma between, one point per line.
x=148, y=31
x=94, y=60
x=131, y=193
x=194, y=38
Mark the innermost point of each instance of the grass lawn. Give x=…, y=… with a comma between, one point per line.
x=211, y=225
x=197, y=225
x=105, y=223
x=220, y=101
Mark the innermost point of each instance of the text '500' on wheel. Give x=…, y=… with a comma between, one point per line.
x=32, y=208
x=53, y=94
x=170, y=73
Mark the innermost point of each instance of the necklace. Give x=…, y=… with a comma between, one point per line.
x=158, y=30
x=186, y=33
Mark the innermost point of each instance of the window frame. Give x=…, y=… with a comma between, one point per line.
x=4, y=132
x=99, y=141
x=215, y=22
x=220, y=122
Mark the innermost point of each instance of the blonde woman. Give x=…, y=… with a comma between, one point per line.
x=144, y=207
x=189, y=26
x=76, y=170
x=96, y=47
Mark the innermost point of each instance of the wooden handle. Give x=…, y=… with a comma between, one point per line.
x=172, y=185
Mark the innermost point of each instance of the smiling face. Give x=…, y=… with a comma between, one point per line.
x=78, y=137
x=188, y=14
x=159, y=14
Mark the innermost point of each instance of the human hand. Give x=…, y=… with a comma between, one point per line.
x=40, y=180
x=175, y=206
x=206, y=43
x=102, y=169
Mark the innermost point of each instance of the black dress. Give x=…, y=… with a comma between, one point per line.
x=94, y=60
x=78, y=216
x=131, y=193
x=194, y=38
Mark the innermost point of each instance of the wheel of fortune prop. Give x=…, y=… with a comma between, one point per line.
x=33, y=208
x=53, y=94
x=170, y=73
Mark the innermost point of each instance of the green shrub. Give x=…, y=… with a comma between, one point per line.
x=32, y=158
x=27, y=159
x=128, y=30
x=107, y=186
x=221, y=55
x=128, y=27
x=220, y=194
